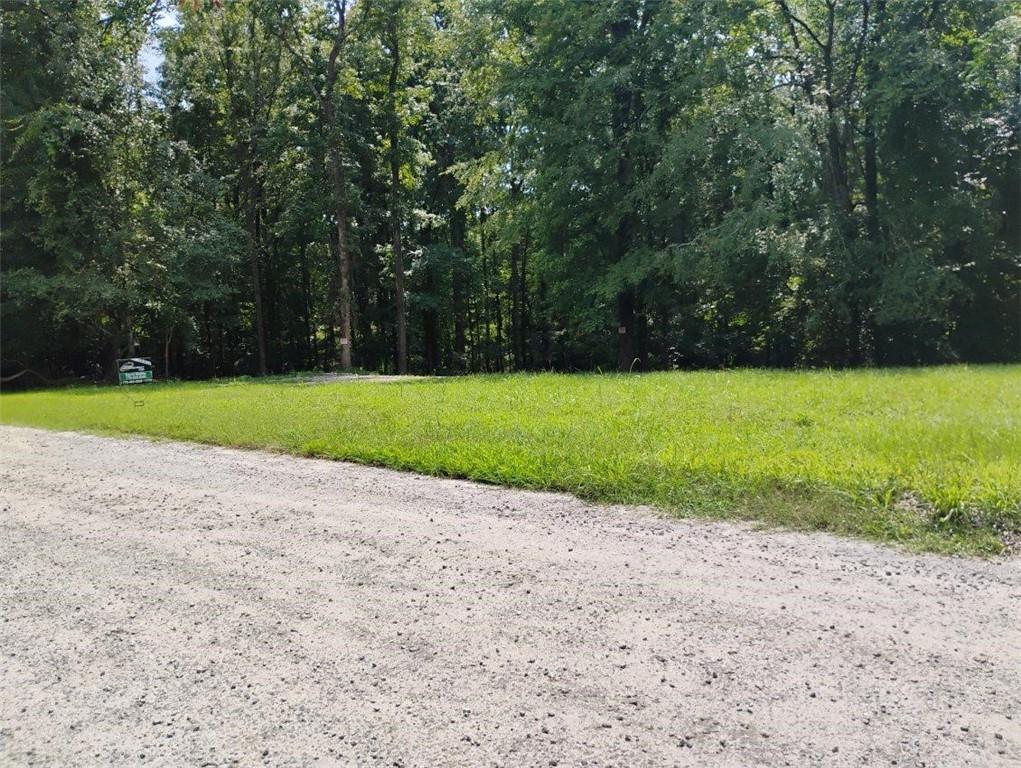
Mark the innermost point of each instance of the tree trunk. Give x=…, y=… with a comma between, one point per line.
x=381, y=358
x=395, y=208
x=544, y=336
x=166, y=355
x=871, y=181
x=253, y=263
x=363, y=320
x=129, y=328
x=402, y=320
x=515, y=307
x=486, y=314
x=328, y=111
x=836, y=174
x=306, y=289
x=872, y=221
x=331, y=342
x=498, y=305
x=343, y=262
x=526, y=357
x=275, y=351
x=625, y=329
x=622, y=117
x=431, y=327
x=260, y=320
x=458, y=283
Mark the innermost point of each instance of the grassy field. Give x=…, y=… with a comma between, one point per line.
x=930, y=458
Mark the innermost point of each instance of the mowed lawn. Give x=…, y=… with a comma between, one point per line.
x=927, y=457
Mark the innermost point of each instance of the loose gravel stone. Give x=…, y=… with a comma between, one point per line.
x=173, y=604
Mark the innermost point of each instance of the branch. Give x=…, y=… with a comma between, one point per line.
x=806, y=81
x=858, y=50
x=302, y=62
x=792, y=19
x=340, y=8
x=19, y=374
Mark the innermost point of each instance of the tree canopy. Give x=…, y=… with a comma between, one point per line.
x=490, y=185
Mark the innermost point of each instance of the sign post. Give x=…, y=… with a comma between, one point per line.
x=134, y=370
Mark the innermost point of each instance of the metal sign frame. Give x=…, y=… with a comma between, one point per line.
x=134, y=370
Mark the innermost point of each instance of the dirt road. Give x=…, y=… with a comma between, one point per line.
x=170, y=604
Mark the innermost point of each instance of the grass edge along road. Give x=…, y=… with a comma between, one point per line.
x=929, y=458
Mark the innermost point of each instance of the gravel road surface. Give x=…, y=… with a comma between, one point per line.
x=169, y=604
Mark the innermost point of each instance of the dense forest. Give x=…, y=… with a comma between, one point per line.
x=493, y=185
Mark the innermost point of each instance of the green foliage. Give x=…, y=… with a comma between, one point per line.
x=925, y=458
x=575, y=185
x=109, y=227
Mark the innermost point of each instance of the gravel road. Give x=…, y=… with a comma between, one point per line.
x=169, y=604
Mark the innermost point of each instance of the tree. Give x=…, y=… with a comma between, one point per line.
x=453, y=185
x=328, y=29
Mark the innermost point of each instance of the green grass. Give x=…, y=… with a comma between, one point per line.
x=930, y=458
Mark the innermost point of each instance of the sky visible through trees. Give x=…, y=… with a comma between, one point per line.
x=258, y=186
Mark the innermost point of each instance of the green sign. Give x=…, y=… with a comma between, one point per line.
x=134, y=370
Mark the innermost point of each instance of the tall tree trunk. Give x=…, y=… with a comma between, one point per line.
x=275, y=348
x=544, y=336
x=515, y=306
x=872, y=221
x=166, y=354
x=328, y=112
x=526, y=357
x=253, y=263
x=486, y=314
x=381, y=357
x=343, y=262
x=836, y=175
x=1011, y=221
x=331, y=341
x=431, y=326
x=498, y=305
x=395, y=190
x=625, y=329
x=622, y=116
x=363, y=322
x=665, y=358
x=871, y=180
x=458, y=283
x=457, y=357
x=309, y=347
x=402, y=320
x=129, y=334
x=260, y=320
